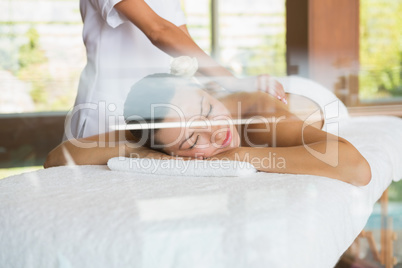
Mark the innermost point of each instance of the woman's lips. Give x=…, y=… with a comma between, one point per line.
x=228, y=139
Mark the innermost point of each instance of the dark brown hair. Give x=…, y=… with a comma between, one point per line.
x=153, y=89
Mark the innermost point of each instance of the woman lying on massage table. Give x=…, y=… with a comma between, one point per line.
x=272, y=129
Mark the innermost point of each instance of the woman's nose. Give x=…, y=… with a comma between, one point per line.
x=219, y=134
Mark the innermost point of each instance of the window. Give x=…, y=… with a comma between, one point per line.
x=380, y=51
x=199, y=22
x=41, y=55
x=251, y=34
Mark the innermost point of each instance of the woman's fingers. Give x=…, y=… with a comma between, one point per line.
x=144, y=152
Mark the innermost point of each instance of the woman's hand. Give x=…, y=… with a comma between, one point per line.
x=143, y=152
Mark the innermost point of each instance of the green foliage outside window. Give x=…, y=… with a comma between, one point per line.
x=32, y=66
x=270, y=58
x=380, y=48
x=28, y=63
x=380, y=55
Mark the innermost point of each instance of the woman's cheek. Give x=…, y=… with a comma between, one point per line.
x=222, y=110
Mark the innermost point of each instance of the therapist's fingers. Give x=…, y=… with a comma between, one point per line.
x=269, y=85
x=280, y=92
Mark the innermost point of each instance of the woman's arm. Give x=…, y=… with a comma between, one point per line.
x=98, y=149
x=333, y=159
x=289, y=145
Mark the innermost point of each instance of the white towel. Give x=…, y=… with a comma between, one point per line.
x=198, y=168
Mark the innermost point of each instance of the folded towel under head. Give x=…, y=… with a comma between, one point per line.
x=172, y=167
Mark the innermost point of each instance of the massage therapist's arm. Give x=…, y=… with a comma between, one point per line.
x=171, y=39
x=176, y=41
x=97, y=150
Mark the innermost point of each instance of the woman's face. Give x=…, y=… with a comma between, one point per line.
x=202, y=136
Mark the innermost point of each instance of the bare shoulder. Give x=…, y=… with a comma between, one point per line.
x=242, y=104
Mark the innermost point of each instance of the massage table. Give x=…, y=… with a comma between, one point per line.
x=90, y=216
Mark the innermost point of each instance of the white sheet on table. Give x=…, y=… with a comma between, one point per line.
x=89, y=216
x=175, y=167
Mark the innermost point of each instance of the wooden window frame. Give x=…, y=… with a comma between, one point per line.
x=322, y=40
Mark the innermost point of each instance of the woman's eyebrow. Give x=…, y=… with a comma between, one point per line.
x=181, y=144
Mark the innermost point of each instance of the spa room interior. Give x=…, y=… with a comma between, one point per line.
x=344, y=55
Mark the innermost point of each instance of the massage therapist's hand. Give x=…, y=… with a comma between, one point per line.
x=263, y=82
x=267, y=84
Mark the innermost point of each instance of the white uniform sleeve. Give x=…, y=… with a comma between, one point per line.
x=112, y=17
x=179, y=18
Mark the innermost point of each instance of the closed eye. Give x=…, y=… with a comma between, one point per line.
x=192, y=146
x=210, y=110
